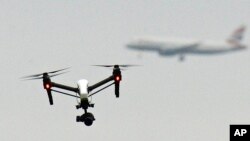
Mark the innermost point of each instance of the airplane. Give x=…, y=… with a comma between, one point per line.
x=183, y=47
x=83, y=91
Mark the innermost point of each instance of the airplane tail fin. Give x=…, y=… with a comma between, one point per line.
x=237, y=35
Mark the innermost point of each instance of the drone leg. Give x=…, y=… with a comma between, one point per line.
x=92, y=105
x=78, y=106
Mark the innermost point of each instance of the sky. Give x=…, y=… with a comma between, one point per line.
x=164, y=99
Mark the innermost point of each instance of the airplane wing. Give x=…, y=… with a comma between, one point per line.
x=178, y=49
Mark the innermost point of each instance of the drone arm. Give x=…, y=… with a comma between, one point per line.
x=64, y=87
x=101, y=89
x=65, y=93
x=90, y=88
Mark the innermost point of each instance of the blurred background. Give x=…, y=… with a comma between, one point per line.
x=162, y=100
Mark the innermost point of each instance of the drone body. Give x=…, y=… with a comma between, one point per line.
x=83, y=90
x=82, y=86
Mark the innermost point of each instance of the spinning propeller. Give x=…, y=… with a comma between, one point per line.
x=123, y=66
x=120, y=67
x=42, y=75
x=46, y=80
x=116, y=75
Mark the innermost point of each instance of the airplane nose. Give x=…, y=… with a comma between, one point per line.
x=135, y=45
x=243, y=47
x=131, y=45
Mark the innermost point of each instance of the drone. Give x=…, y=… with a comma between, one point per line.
x=83, y=90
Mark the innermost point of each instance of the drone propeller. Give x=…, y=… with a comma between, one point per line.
x=33, y=78
x=124, y=66
x=59, y=70
x=58, y=74
x=40, y=76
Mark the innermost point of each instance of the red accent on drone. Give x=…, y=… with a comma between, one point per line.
x=47, y=86
x=117, y=78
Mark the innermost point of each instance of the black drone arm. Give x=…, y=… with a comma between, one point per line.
x=48, y=85
x=90, y=88
x=53, y=84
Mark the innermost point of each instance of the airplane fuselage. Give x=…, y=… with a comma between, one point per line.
x=175, y=46
x=182, y=47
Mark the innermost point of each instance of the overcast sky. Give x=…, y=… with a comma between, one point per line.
x=162, y=100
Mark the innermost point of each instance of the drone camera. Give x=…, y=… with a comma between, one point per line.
x=87, y=118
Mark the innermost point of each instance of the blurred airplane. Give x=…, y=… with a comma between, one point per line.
x=182, y=47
